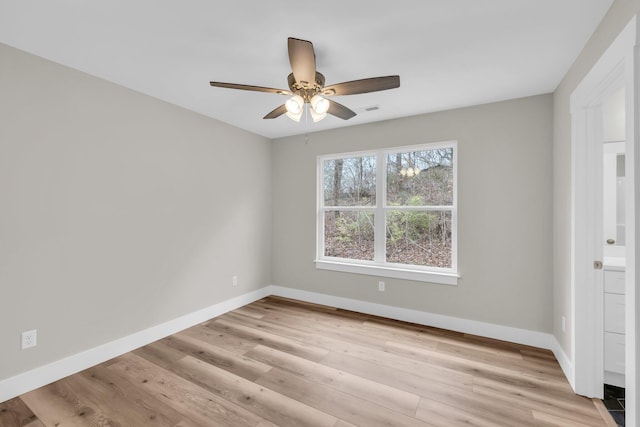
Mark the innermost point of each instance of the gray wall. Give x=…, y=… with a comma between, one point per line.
x=504, y=214
x=617, y=17
x=118, y=211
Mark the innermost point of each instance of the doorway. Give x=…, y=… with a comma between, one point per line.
x=616, y=70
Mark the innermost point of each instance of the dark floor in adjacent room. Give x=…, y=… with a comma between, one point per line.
x=614, y=401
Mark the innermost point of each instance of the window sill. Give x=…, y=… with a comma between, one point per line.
x=393, y=272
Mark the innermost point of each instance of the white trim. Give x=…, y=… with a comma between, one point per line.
x=616, y=67
x=614, y=378
x=38, y=377
x=489, y=330
x=632, y=275
x=390, y=150
x=429, y=276
x=380, y=248
x=564, y=361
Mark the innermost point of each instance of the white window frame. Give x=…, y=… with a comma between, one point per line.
x=379, y=266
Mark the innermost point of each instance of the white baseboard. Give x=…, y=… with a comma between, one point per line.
x=565, y=363
x=30, y=380
x=489, y=330
x=614, y=378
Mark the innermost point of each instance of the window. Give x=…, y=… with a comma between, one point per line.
x=389, y=213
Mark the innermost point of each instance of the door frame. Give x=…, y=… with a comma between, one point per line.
x=618, y=67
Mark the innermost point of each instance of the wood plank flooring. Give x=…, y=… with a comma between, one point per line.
x=280, y=362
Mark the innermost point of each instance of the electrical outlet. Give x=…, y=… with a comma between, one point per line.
x=29, y=339
x=234, y=280
x=381, y=286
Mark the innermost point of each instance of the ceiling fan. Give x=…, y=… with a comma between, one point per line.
x=306, y=85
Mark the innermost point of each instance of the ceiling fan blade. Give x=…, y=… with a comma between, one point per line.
x=277, y=112
x=373, y=84
x=303, y=61
x=340, y=110
x=249, y=87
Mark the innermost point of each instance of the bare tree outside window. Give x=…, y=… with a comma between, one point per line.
x=349, y=183
x=419, y=179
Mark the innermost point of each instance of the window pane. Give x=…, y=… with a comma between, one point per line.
x=350, y=182
x=349, y=234
x=419, y=237
x=420, y=178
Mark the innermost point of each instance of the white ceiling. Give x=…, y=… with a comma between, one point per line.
x=448, y=53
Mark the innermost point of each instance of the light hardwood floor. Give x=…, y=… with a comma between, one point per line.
x=279, y=362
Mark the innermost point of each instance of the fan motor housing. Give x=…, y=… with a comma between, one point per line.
x=306, y=91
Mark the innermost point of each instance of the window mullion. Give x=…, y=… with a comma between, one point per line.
x=380, y=216
x=320, y=211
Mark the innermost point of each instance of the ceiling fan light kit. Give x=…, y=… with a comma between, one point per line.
x=306, y=85
x=319, y=104
x=295, y=107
